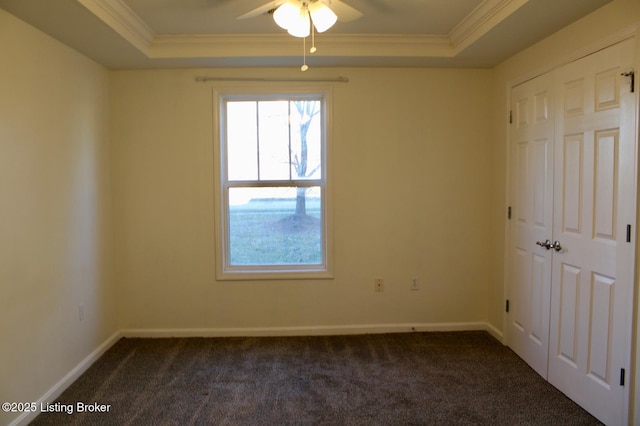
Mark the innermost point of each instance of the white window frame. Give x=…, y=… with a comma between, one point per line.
x=226, y=271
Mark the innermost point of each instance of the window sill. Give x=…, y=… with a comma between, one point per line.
x=265, y=275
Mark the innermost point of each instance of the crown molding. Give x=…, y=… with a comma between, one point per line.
x=124, y=21
x=389, y=45
x=482, y=19
x=222, y=45
x=209, y=45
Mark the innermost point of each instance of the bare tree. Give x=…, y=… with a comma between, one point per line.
x=307, y=111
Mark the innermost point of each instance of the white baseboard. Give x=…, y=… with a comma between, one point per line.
x=308, y=330
x=57, y=389
x=491, y=329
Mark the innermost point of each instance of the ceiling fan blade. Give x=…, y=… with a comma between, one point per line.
x=261, y=10
x=344, y=12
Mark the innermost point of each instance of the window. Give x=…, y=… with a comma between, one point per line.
x=272, y=191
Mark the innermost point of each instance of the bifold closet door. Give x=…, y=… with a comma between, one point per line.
x=572, y=241
x=532, y=216
x=594, y=203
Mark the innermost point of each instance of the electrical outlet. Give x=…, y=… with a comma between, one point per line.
x=415, y=283
x=379, y=284
x=81, y=312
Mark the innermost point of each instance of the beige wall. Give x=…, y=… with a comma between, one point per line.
x=411, y=176
x=55, y=229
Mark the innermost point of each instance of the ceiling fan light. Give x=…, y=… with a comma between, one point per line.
x=287, y=14
x=323, y=18
x=301, y=25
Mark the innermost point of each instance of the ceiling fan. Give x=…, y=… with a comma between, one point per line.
x=301, y=17
x=296, y=15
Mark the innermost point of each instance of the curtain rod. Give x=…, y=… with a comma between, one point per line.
x=278, y=80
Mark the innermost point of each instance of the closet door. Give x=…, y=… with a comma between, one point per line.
x=532, y=215
x=594, y=201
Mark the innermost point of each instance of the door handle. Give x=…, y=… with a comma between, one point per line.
x=547, y=244
x=556, y=245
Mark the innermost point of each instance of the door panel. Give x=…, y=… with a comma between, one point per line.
x=572, y=178
x=591, y=280
x=532, y=168
x=568, y=315
x=606, y=188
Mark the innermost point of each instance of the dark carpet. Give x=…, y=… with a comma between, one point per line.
x=460, y=378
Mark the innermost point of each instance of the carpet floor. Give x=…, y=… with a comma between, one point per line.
x=457, y=378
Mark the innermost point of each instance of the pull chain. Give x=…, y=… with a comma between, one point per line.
x=313, y=40
x=304, y=66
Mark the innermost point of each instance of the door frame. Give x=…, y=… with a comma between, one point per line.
x=632, y=403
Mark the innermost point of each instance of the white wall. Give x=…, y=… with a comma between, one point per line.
x=411, y=175
x=55, y=250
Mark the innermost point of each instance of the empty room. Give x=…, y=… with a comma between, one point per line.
x=319, y=212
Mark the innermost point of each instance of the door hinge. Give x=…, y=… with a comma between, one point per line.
x=509, y=212
x=506, y=306
x=510, y=117
x=632, y=77
x=622, y=375
x=628, y=233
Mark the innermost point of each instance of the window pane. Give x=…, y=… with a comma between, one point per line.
x=242, y=141
x=306, y=139
x=275, y=226
x=273, y=122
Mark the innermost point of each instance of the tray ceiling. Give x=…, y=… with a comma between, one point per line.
x=128, y=34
